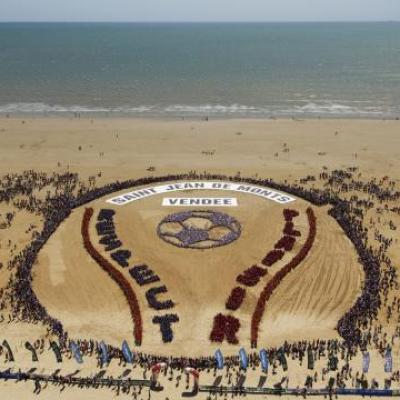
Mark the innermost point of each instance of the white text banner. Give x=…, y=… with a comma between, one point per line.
x=139, y=194
x=199, y=202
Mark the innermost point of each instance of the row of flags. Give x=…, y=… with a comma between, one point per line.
x=104, y=353
x=263, y=355
x=388, y=361
x=219, y=358
x=243, y=359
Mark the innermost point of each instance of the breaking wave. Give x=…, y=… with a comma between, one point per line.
x=325, y=108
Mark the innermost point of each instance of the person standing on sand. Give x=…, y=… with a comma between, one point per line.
x=38, y=388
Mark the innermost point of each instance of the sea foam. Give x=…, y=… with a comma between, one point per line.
x=309, y=109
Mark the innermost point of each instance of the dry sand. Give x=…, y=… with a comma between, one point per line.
x=308, y=303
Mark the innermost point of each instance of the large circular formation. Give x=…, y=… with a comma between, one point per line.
x=182, y=267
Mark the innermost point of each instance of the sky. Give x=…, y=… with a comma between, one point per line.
x=197, y=11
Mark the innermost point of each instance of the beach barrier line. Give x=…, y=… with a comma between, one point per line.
x=82, y=382
x=301, y=392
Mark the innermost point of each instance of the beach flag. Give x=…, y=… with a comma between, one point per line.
x=127, y=353
x=282, y=359
x=104, y=353
x=310, y=358
x=219, y=358
x=244, y=361
x=366, y=361
x=264, y=360
x=57, y=351
x=388, y=360
x=76, y=352
x=10, y=354
x=29, y=347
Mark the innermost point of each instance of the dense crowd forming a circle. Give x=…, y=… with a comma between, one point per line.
x=52, y=198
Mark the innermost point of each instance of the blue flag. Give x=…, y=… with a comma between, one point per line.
x=76, y=352
x=365, y=363
x=127, y=353
x=264, y=360
x=244, y=361
x=220, y=359
x=104, y=353
x=388, y=361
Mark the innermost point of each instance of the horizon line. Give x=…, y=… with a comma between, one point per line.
x=197, y=22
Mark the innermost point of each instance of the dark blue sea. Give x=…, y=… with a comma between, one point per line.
x=214, y=69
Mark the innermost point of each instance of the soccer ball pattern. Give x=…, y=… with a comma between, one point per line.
x=199, y=229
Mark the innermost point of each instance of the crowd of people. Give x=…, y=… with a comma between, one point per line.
x=307, y=354
x=53, y=197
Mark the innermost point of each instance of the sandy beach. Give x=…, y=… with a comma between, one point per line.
x=106, y=150
x=127, y=148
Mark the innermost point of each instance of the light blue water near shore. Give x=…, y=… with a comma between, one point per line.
x=247, y=70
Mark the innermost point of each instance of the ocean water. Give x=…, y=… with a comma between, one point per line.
x=211, y=69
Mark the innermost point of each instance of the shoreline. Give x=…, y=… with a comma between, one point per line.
x=200, y=117
x=193, y=119
x=124, y=148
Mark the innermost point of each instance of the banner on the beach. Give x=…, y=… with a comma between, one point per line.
x=139, y=194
